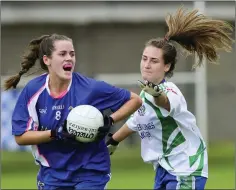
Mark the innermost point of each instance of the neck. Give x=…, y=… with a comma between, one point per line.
x=57, y=86
x=160, y=81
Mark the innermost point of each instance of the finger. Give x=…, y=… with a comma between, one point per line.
x=141, y=84
x=150, y=85
x=156, y=88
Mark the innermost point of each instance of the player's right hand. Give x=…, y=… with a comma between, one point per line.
x=112, y=145
x=61, y=133
x=150, y=88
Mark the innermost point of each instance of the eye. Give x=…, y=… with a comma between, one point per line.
x=155, y=61
x=62, y=54
x=144, y=58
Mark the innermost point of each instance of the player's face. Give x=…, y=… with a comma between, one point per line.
x=62, y=62
x=152, y=65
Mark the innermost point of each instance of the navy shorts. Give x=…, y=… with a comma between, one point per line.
x=48, y=180
x=164, y=180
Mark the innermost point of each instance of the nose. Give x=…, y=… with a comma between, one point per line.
x=147, y=64
x=68, y=57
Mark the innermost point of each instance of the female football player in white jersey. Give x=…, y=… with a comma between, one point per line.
x=42, y=108
x=170, y=138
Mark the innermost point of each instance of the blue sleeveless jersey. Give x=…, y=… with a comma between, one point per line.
x=36, y=107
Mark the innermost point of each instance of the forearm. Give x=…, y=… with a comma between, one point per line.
x=128, y=108
x=122, y=133
x=163, y=101
x=33, y=137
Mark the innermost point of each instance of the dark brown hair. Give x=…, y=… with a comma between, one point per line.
x=196, y=33
x=37, y=48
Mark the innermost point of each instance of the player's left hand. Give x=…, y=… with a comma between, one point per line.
x=104, y=130
x=150, y=88
x=112, y=145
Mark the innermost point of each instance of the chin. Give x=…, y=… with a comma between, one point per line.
x=147, y=78
x=67, y=76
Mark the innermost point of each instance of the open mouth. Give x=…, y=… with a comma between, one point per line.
x=67, y=67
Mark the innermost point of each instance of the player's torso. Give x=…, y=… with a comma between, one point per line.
x=159, y=136
x=169, y=142
x=53, y=111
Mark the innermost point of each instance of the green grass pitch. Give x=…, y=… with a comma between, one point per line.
x=128, y=169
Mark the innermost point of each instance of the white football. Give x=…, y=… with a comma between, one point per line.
x=83, y=121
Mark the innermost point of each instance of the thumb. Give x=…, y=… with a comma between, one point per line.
x=141, y=84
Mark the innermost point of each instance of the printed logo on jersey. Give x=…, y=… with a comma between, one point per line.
x=58, y=107
x=143, y=129
x=148, y=126
x=166, y=89
x=141, y=110
x=43, y=111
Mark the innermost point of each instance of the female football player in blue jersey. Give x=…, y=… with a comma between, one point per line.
x=43, y=106
x=170, y=138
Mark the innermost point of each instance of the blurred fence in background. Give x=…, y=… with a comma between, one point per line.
x=7, y=105
x=108, y=39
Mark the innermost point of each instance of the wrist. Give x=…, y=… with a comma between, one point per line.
x=113, y=142
x=53, y=134
x=158, y=95
x=111, y=120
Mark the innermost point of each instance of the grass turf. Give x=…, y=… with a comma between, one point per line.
x=128, y=169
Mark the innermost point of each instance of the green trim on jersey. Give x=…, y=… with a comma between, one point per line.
x=194, y=158
x=163, y=87
x=168, y=126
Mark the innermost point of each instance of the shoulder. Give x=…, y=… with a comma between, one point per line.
x=82, y=79
x=34, y=85
x=170, y=87
x=90, y=82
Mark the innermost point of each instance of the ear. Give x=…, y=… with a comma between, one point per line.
x=46, y=60
x=167, y=67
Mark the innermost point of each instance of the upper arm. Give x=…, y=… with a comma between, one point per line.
x=176, y=100
x=21, y=120
x=109, y=96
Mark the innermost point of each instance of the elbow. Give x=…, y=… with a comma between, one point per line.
x=19, y=140
x=139, y=102
x=137, y=99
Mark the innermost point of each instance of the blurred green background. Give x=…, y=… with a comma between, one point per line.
x=128, y=169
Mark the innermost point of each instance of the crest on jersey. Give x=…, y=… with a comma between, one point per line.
x=141, y=110
x=70, y=108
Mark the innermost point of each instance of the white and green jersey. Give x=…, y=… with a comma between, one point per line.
x=171, y=139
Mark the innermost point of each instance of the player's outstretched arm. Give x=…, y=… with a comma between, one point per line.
x=128, y=108
x=114, y=140
x=122, y=133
